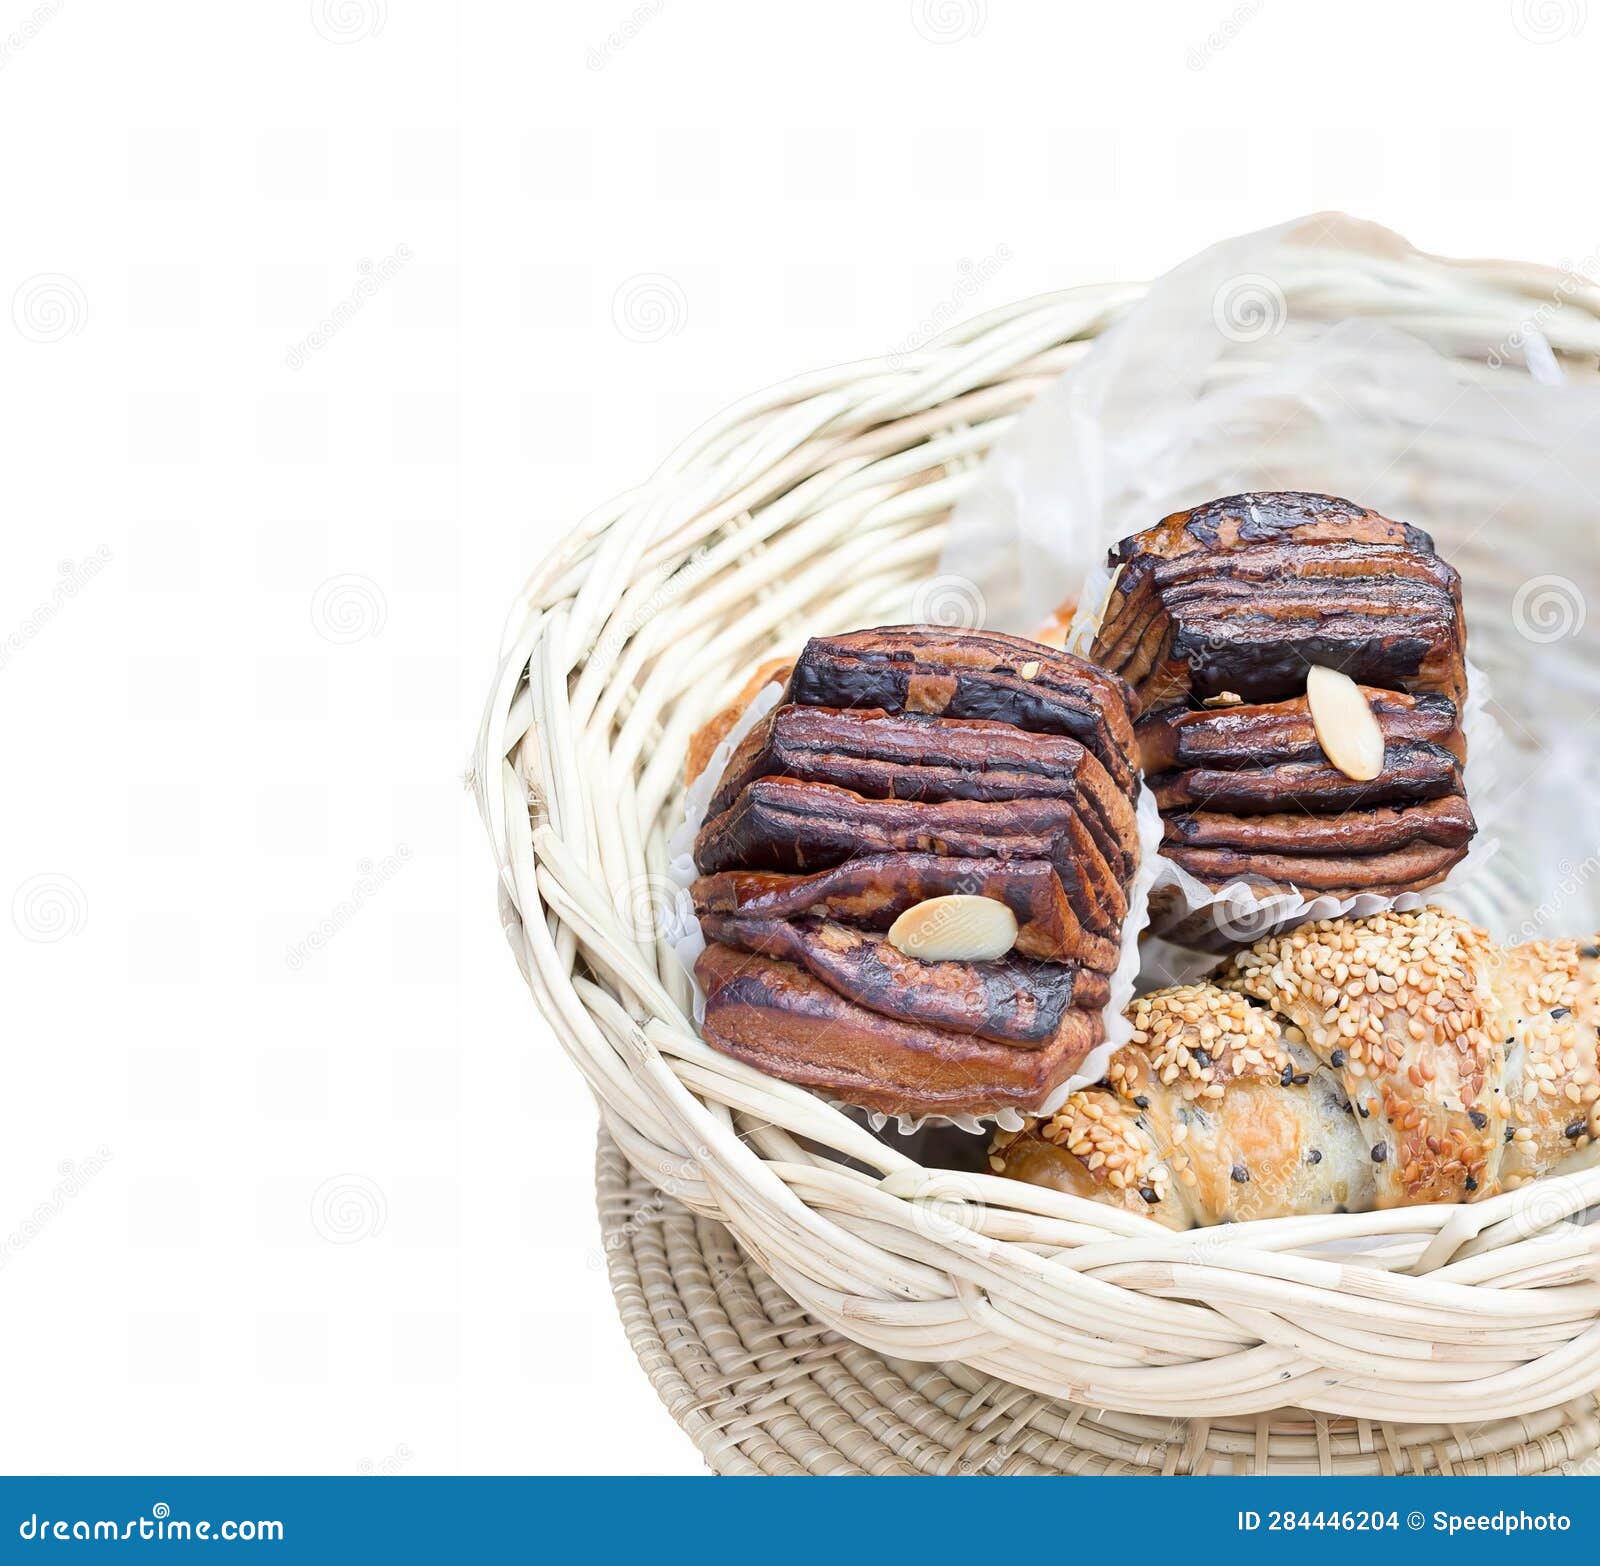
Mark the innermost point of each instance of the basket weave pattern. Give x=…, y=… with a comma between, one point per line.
x=761, y=1388
x=819, y=506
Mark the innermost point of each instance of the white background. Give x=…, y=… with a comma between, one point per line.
x=337, y=1216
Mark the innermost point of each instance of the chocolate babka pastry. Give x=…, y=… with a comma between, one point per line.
x=1241, y=595
x=1348, y=1065
x=914, y=871
x=972, y=674
x=1299, y=666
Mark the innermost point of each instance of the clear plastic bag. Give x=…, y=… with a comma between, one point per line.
x=1266, y=363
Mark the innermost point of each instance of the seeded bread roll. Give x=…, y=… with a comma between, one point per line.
x=1210, y=1115
x=1347, y=1065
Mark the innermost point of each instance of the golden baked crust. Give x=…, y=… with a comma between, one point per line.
x=1208, y=1115
x=1401, y=1005
x=1552, y=1086
x=1355, y=1063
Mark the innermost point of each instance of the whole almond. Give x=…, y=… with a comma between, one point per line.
x=1346, y=728
x=955, y=929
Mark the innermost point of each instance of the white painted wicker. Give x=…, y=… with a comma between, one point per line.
x=761, y=1388
x=819, y=506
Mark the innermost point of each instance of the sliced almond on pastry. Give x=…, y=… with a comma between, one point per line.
x=955, y=929
x=1346, y=727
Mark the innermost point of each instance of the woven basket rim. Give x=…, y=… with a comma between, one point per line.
x=642, y=623
x=760, y=1387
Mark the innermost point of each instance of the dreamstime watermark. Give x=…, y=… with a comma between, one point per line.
x=1252, y=911
x=1200, y=55
x=1527, y=339
x=27, y=30
x=601, y=55
x=347, y=1207
x=386, y=1467
x=49, y=307
x=651, y=905
x=1549, y=21
x=349, y=21
x=972, y=276
x=949, y=21
x=1543, y=1210
x=374, y=274
x=952, y=602
x=948, y=1206
x=374, y=876
x=72, y=1178
x=1548, y=609
x=669, y=1182
x=1573, y=879
x=48, y=908
x=1249, y=307
x=649, y=307
x=348, y=608
x=74, y=576
x=685, y=579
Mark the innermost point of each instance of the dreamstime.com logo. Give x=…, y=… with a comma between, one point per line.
x=349, y=21
x=953, y=603
x=27, y=30
x=49, y=307
x=649, y=307
x=970, y=280
x=373, y=276
x=158, y=1524
x=73, y=577
x=375, y=875
x=73, y=1178
x=1249, y=307
x=949, y=21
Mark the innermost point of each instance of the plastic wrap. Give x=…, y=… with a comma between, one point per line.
x=1265, y=363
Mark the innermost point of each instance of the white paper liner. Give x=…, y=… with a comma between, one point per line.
x=683, y=932
x=1239, y=909
x=687, y=942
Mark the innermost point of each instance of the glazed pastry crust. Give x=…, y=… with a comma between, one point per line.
x=1215, y=617
x=974, y=674
x=779, y=1018
x=873, y=890
x=1011, y=1000
x=1241, y=593
x=907, y=764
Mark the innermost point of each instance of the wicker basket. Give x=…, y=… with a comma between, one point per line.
x=761, y=1388
x=819, y=506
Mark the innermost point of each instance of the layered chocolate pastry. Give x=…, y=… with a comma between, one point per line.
x=914, y=871
x=1299, y=666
